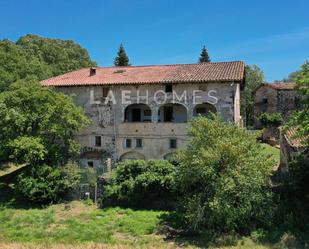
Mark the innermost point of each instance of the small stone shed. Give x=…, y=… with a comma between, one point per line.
x=275, y=98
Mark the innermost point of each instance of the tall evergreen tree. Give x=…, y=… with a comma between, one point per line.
x=121, y=59
x=204, y=57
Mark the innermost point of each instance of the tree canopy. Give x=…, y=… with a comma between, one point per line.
x=35, y=57
x=121, y=59
x=37, y=124
x=254, y=78
x=223, y=178
x=300, y=119
x=204, y=57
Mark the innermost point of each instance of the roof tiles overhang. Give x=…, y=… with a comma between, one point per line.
x=219, y=72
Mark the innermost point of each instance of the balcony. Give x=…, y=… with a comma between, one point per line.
x=152, y=129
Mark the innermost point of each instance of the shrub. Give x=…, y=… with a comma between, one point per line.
x=223, y=179
x=136, y=183
x=271, y=119
x=45, y=184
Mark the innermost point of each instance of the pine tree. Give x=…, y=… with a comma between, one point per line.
x=204, y=56
x=121, y=59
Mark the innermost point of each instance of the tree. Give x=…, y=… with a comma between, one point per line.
x=44, y=184
x=37, y=125
x=254, y=78
x=223, y=179
x=136, y=183
x=204, y=57
x=300, y=119
x=121, y=59
x=36, y=58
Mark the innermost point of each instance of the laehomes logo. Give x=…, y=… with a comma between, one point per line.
x=160, y=97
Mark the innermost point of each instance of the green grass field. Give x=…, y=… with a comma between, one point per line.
x=85, y=226
x=272, y=152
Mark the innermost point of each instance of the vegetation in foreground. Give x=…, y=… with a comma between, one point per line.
x=83, y=225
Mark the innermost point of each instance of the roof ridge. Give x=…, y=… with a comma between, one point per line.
x=160, y=65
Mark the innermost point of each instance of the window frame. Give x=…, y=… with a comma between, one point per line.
x=141, y=143
x=100, y=141
x=173, y=145
x=126, y=140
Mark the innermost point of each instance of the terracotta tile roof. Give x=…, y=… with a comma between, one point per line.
x=292, y=139
x=281, y=85
x=178, y=73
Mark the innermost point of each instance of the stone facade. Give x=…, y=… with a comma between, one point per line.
x=275, y=98
x=142, y=128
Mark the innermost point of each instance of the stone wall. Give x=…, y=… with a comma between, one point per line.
x=108, y=118
x=271, y=100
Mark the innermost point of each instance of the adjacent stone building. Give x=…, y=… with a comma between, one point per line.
x=291, y=146
x=275, y=98
x=142, y=112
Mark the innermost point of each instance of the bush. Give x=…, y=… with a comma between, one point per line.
x=44, y=184
x=223, y=179
x=136, y=183
x=271, y=119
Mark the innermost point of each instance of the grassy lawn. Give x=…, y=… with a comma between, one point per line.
x=272, y=152
x=78, y=225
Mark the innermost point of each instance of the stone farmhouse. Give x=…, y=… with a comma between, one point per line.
x=142, y=112
x=275, y=98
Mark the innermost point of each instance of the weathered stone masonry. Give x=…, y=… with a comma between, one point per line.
x=145, y=128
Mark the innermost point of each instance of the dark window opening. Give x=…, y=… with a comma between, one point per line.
x=139, y=143
x=168, y=113
x=90, y=164
x=265, y=100
x=98, y=141
x=128, y=143
x=173, y=143
x=201, y=110
x=136, y=115
x=105, y=91
x=168, y=88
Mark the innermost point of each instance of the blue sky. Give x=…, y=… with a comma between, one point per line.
x=272, y=34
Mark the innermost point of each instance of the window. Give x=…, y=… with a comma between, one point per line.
x=168, y=88
x=139, y=143
x=90, y=164
x=136, y=115
x=128, y=143
x=265, y=100
x=173, y=143
x=147, y=116
x=105, y=91
x=200, y=110
x=168, y=113
x=98, y=141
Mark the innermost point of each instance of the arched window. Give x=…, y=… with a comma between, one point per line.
x=132, y=155
x=204, y=109
x=176, y=113
x=137, y=113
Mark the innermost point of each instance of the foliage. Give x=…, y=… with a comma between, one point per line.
x=35, y=58
x=299, y=175
x=37, y=125
x=121, y=59
x=137, y=183
x=223, y=179
x=254, y=78
x=271, y=119
x=46, y=184
x=204, y=57
x=79, y=223
x=300, y=119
